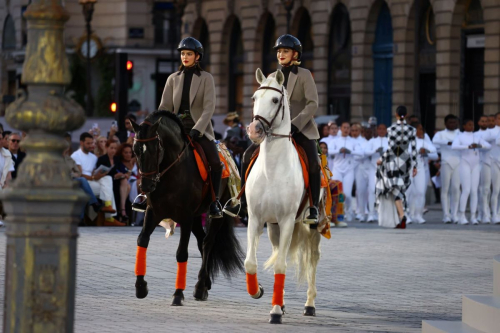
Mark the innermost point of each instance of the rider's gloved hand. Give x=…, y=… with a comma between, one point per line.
x=195, y=134
x=294, y=129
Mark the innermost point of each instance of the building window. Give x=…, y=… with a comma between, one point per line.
x=236, y=68
x=9, y=34
x=164, y=24
x=269, y=63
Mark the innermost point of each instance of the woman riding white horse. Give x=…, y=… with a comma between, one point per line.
x=274, y=190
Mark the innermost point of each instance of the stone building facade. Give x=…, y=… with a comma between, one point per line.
x=367, y=56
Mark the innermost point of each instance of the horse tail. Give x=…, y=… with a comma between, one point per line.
x=223, y=249
x=300, y=253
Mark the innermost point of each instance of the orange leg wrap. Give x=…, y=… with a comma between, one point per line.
x=140, y=261
x=252, y=284
x=180, y=281
x=279, y=289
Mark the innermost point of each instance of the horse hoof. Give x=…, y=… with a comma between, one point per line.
x=201, y=294
x=275, y=319
x=260, y=293
x=178, y=298
x=310, y=311
x=141, y=289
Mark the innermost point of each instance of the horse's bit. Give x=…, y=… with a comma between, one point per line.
x=157, y=173
x=270, y=123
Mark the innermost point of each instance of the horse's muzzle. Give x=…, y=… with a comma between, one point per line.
x=256, y=132
x=147, y=185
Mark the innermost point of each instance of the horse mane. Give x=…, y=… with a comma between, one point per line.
x=167, y=118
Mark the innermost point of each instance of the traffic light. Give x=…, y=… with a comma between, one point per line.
x=113, y=107
x=130, y=73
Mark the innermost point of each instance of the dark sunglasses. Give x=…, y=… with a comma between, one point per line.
x=15, y=141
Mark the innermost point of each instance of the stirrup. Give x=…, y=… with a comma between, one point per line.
x=311, y=219
x=231, y=210
x=139, y=206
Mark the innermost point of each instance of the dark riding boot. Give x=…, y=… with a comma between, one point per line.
x=315, y=184
x=215, y=207
x=140, y=206
x=241, y=208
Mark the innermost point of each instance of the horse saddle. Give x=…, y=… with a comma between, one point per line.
x=202, y=162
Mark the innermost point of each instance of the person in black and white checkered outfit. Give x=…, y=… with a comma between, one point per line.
x=395, y=167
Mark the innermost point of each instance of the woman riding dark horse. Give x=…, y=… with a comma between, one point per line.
x=190, y=94
x=173, y=182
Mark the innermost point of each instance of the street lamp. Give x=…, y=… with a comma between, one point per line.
x=288, y=6
x=88, y=11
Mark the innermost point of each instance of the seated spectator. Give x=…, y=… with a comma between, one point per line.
x=128, y=127
x=100, y=147
x=121, y=187
x=101, y=183
x=76, y=174
x=17, y=155
x=6, y=168
x=128, y=166
x=5, y=142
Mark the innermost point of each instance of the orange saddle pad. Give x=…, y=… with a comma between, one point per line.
x=203, y=169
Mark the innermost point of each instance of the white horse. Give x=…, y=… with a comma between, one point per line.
x=274, y=190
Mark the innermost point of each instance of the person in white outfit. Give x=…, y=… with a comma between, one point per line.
x=469, y=145
x=360, y=174
x=417, y=190
x=493, y=135
x=485, y=177
x=333, y=134
x=374, y=149
x=343, y=149
x=450, y=175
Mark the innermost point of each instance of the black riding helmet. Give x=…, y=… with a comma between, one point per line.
x=289, y=42
x=192, y=44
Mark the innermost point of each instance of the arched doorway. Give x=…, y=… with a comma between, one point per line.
x=427, y=67
x=269, y=62
x=236, y=68
x=9, y=34
x=382, y=66
x=472, y=61
x=339, y=63
x=200, y=31
x=302, y=29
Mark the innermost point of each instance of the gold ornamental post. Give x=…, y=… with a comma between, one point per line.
x=43, y=205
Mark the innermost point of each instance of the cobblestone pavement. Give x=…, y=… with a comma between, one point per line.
x=369, y=280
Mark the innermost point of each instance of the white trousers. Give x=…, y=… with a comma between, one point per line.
x=450, y=190
x=103, y=189
x=347, y=179
x=361, y=189
x=469, y=179
x=495, y=188
x=417, y=191
x=372, y=180
x=485, y=191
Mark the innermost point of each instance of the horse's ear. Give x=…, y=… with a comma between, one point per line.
x=135, y=127
x=260, y=76
x=280, y=77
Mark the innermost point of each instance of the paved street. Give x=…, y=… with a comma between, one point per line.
x=369, y=280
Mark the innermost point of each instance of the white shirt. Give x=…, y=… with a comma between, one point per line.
x=329, y=142
x=2, y=164
x=495, y=149
x=462, y=143
x=86, y=161
x=372, y=146
x=485, y=154
x=361, y=159
x=431, y=155
x=448, y=155
x=343, y=162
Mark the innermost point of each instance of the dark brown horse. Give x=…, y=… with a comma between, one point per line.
x=174, y=186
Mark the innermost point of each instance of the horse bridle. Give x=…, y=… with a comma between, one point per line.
x=270, y=123
x=157, y=173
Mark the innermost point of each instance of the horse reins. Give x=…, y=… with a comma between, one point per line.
x=159, y=149
x=270, y=123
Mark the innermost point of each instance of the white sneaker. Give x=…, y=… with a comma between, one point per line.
x=473, y=219
x=348, y=217
x=496, y=219
x=1, y=223
x=486, y=220
x=371, y=219
x=446, y=219
x=420, y=220
x=359, y=217
x=462, y=219
x=408, y=220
